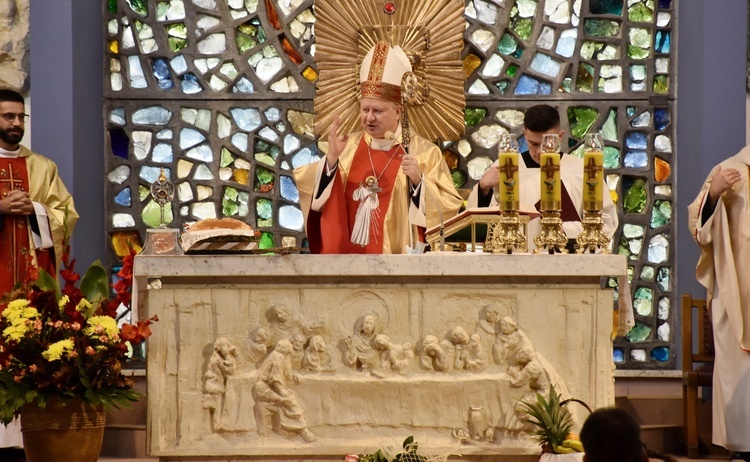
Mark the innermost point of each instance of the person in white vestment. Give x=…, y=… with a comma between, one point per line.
x=538, y=121
x=719, y=221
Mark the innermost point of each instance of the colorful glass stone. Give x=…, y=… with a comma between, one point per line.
x=606, y=6
x=660, y=354
x=471, y=62
x=273, y=15
x=459, y=178
x=473, y=116
x=641, y=12
x=389, y=7
x=119, y=142
x=310, y=74
x=662, y=169
x=581, y=119
x=290, y=51
x=661, y=214
x=636, y=196
x=639, y=333
x=123, y=198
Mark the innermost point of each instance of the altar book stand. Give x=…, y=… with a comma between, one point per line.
x=463, y=231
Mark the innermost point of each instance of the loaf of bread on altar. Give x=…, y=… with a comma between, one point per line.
x=219, y=235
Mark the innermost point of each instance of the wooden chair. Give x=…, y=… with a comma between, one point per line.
x=695, y=375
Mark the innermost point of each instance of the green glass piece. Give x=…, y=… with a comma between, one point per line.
x=581, y=118
x=566, y=85
x=512, y=70
x=264, y=209
x=585, y=78
x=638, y=53
x=623, y=248
x=606, y=6
x=611, y=157
x=661, y=214
x=248, y=28
x=230, y=194
x=264, y=176
x=639, y=333
x=143, y=192
x=639, y=37
x=264, y=158
x=177, y=30
x=631, y=110
x=112, y=6
x=518, y=53
x=647, y=273
x=245, y=42
x=275, y=150
x=502, y=86
x=643, y=301
x=601, y=28
x=473, y=116
x=177, y=44
x=151, y=214
x=661, y=84
x=641, y=11
x=662, y=279
x=522, y=27
x=507, y=44
x=139, y=6
x=229, y=208
x=459, y=178
x=226, y=157
x=636, y=197
x=161, y=9
x=266, y=241
x=609, y=129
x=588, y=48
x=261, y=145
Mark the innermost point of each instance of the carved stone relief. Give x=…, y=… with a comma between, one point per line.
x=14, y=44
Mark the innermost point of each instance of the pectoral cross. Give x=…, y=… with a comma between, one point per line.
x=8, y=181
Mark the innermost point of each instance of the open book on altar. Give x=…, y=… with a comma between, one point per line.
x=469, y=227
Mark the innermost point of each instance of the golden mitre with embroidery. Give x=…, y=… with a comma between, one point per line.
x=382, y=71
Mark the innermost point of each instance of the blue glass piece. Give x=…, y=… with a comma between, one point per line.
x=123, y=197
x=662, y=41
x=289, y=189
x=531, y=86
x=304, y=157
x=119, y=142
x=545, y=65
x=162, y=153
x=179, y=64
x=160, y=67
x=606, y=6
x=642, y=120
x=665, y=4
x=117, y=116
x=662, y=119
x=202, y=153
x=152, y=115
x=189, y=137
x=290, y=217
x=246, y=119
x=660, y=354
x=243, y=86
x=151, y=174
x=636, y=140
x=618, y=355
x=273, y=114
x=636, y=159
x=631, y=111
x=566, y=46
x=190, y=84
x=518, y=53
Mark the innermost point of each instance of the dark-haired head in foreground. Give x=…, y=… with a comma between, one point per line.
x=612, y=435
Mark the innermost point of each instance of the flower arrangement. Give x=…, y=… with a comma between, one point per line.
x=65, y=341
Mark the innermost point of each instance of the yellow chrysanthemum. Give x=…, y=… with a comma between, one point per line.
x=57, y=349
x=19, y=303
x=108, y=326
x=20, y=313
x=63, y=301
x=85, y=307
x=16, y=331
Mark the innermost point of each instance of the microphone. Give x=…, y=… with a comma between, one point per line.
x=389, y=135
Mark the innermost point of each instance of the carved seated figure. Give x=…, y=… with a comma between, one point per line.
x=453, y=344
x=473, y=356
x=277, y=407
x=509, y=341
x=359, y=353
x=298, y=350
x=487, y=325
x=529, y=375
x=284, y=324
x=432, y=355
x=394, y=357
x=317, y=358
x=255, y=348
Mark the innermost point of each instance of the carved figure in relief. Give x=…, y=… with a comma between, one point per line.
x=298, y=350
x=221, y=365
x=509, y=341
x=528, y=374
x=394, y=357
x=359, y=353
x=277, y=407
x=432, y=355
x=317, y=358
x=255, y=348
x=487, y=326
x=453, y=345
x=473, y=356
x=284, y=324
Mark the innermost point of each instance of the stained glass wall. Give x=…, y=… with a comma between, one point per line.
x=219, y=94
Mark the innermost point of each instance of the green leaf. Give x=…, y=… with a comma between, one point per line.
x=95, y=284
x=46, y=282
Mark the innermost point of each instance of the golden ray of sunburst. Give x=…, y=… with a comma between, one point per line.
x=430, y=29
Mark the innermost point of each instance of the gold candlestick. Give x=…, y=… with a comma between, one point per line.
x=506, y=236
x=592, y=238
x=551, y=237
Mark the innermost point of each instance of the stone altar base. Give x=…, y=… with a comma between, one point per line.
x=314, y=357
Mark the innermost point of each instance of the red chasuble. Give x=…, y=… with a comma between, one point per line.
x=329, y=231
x=14, y=234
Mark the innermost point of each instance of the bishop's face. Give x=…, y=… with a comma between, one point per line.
x=11, y=133
x=378, y=117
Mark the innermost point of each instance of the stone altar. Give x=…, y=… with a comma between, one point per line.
x=317, y=356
